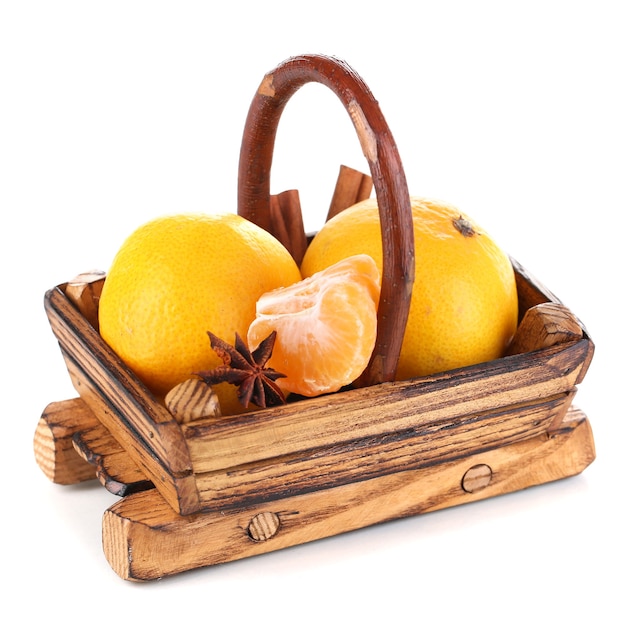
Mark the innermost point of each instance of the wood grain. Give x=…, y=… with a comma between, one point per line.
x=143, y=426
x=352, y=187
x=377, y=455
x=224, y=488
x=84, y=292
x=286, y=223
x=321, y=442
x=143, y=539
x=387, y=173
x=53, y=442
x=440, y=400
x=115, y=470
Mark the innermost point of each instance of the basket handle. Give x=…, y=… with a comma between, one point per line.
x=387, y=174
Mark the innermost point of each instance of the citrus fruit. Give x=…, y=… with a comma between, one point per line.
x=178, y=277
x=464, y=300
x=325, y=326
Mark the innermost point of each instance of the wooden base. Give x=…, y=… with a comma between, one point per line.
x=145, y=539
x=207, y=491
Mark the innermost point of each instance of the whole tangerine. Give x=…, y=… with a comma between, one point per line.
x=177, y=277
x=464, y=307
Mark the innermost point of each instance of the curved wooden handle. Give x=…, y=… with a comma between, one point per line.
x=387, y=173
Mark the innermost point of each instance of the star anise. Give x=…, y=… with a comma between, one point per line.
x=246, y=370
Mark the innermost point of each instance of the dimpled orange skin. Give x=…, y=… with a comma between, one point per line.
x=464, y=307
x=177, y=277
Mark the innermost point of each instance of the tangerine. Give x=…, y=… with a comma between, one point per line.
x=464, y=307
x=325, y=326
x=177, y=277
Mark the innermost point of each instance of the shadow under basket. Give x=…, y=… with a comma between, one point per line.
x=216, y=489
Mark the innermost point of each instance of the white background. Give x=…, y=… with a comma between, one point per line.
x=114, y=112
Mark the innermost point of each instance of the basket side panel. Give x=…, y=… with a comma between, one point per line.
x=366, y=458
x=372, y=431
x=142, y=426
x=384, y=409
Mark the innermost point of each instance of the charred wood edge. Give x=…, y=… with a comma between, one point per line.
x=364, y=449
x=144, y=540
x=555, y=403
x=149, y=428
x=533, y=293
x=180, y=492
x=379, y=149
x=80, y=341
x=103, y=454
x=572, y=355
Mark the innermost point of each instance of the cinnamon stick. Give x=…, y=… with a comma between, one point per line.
x=287, y=224
x=352, y=187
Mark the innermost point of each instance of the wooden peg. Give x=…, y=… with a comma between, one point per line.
x=84, y=292
x=263, y=526
x=545, y=325
x=191, y=400
x=476, y=478
x=54, y=451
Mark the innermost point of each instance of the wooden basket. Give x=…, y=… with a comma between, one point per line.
x=212, y=490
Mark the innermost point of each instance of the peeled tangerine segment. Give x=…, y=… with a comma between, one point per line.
x=325, y=326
